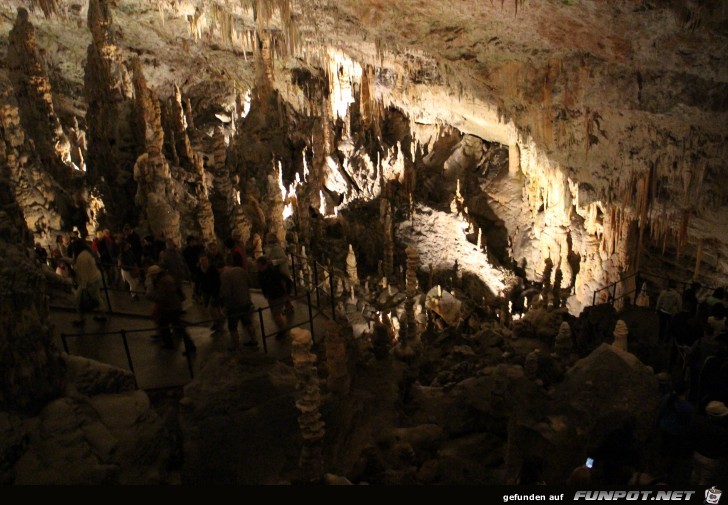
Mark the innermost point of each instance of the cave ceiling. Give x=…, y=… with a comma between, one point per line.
x=603, y=92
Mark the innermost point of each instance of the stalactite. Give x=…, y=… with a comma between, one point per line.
x=179, y=128
x=558, y=276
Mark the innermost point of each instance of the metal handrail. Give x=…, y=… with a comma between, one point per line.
x=260, y=310
x=639, y=274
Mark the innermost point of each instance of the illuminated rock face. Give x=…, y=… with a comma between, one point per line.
x=614, y=137
x=34, y=95
x=32, y=371
x=34, y=189
x=108, y=91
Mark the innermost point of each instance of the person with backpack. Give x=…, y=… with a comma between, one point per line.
x=274, y=287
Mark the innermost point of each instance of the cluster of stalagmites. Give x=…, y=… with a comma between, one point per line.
x=308, y=402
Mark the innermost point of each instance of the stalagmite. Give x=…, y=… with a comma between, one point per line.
x=153, y=177
x=34, y=95
x=108, y=91
x=258, y=246
x=620, y=336
x=643, y=298
x=351, y=266
x=204, y=213
x=155, y=186
x=563, y=344
x=308, y=402
x=336, y=360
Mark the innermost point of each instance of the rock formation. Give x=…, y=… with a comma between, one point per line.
x=29, y=360
x=156, y=194
x=351, y=267
x=336, y=360
x=308, y=401
x=35, y=99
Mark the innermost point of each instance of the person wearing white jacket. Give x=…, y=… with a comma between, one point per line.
x=88, y=278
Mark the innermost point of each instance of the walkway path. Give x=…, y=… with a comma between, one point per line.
x=154, y=366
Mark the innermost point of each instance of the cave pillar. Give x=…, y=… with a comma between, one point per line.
x=308, y=403
x=338, y=380
x=34, y=96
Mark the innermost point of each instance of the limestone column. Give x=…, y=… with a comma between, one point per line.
x=204, y=213
x=308, y=402
x=35, y=97
x=407, y=338
x=108, y=92
x=338, y=380
x=222, y=196
x=155, y=194
x=274, y=209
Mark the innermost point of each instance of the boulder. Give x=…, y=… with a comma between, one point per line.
x=609, y=387
x=110, y=439
x=90, y=378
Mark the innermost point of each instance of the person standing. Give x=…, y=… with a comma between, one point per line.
x=172, y=261
x=168, y=309
x=277, y=256
x=88, y=277
x=668, y=304
x=191, y=254
x=235, y=296
x=674, y=421
x=210, y=291
x=274, y=288
x=131, y=236
x=130, y=270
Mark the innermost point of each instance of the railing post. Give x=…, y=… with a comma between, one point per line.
x=594, y=298
x=315, y=284
x=262, y=330
x=128, y=357
x=310, y=316
x=614, y=293
x=65, y=343
x=331, y=292
x=106, y=290
x=294, y=277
